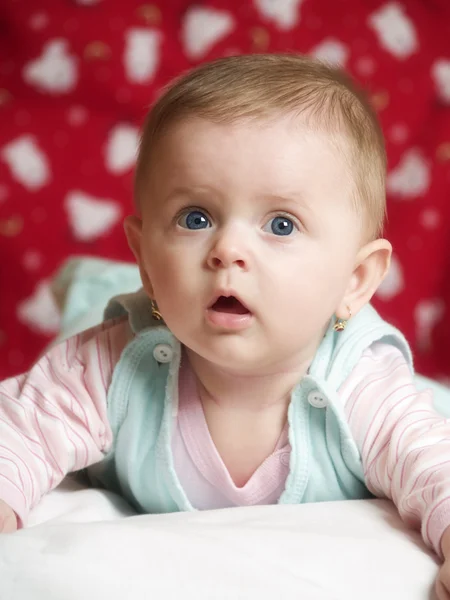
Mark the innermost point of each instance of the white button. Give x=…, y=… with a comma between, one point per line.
x=163, y=353
x=316, y=399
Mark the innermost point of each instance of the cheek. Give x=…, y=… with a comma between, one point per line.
x=171, y=257
x=309, y=283
x=171, y=278
x=156, y=266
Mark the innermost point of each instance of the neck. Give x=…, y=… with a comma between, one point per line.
x=246, y=392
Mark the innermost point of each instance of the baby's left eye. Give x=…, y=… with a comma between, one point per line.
x=280, y=226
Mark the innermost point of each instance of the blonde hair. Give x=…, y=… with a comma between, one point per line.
x=265, y=85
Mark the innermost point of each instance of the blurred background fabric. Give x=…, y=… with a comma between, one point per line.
x=77, y=76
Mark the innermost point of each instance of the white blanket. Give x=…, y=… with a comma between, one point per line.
x=80, y=545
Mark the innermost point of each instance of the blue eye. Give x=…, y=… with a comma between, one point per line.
x=195, y=219
x=281, y=226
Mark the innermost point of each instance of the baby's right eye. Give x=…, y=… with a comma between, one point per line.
x=194, y=219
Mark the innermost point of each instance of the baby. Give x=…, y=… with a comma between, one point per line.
x=251, y=367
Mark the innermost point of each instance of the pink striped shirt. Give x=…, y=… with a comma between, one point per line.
x=53, y=420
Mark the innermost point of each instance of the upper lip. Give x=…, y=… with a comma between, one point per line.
x=227, y=293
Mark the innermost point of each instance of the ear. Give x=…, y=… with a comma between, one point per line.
x=133, y=230
x=371, y=267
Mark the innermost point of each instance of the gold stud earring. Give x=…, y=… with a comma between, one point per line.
x=341, y=324
x=155, y=312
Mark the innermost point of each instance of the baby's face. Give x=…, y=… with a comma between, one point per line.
x=258, y=212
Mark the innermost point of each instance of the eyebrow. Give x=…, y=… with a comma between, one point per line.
x=293, y=200
x=186, y=191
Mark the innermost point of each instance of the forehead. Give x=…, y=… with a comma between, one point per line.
x=278, y=151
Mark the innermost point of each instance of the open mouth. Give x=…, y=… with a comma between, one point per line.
x=229, y=305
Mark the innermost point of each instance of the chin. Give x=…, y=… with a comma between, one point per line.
x=237, y=357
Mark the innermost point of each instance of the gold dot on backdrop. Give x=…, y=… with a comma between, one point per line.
x=260, y=38
x=150, y=14
x=97, y=50
x=443, y=152
x=11, y=227
x=5, y=97
x=380, y=100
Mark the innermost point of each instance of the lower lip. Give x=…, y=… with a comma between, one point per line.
x=228, y=320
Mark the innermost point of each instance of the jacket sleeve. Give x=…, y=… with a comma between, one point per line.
x=404, y=443
x=53, y=419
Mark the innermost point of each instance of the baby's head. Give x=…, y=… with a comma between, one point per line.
x=261, y=179
x=264, y=86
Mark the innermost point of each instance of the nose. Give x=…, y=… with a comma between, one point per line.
x=229, y=248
